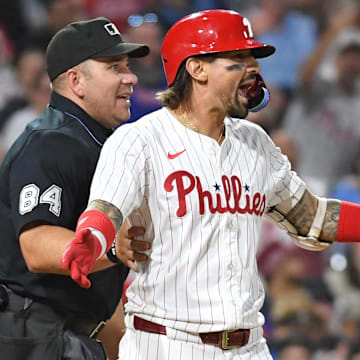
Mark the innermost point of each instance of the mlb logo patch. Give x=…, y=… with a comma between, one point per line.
x=112, y=29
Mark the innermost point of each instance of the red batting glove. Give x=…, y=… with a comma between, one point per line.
x=80, y=255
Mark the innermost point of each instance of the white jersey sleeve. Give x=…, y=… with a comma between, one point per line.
x=285, y=181
x=121, y=172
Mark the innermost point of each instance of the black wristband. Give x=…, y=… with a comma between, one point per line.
x=111, y=254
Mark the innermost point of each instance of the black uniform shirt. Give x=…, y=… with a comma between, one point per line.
x=46, y=177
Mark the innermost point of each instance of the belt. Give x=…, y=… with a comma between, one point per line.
x=10, y=301
x=226, y=339
x=85, y=327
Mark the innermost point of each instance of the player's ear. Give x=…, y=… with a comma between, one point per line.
x=74, y=79
x=195, y=67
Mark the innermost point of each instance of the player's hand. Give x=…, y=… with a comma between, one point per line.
x=80, y=255
x=127, y=247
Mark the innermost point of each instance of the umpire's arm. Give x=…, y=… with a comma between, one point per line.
x=42, y=246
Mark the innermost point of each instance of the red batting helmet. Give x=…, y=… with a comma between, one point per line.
x=205, y=32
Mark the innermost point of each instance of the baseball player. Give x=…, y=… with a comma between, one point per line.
x=200, y=179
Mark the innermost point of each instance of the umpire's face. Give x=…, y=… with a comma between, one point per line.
x=107, y=86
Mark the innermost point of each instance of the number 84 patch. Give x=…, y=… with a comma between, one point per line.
x=30, y=198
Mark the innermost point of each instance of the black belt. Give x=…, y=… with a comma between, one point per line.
x=85, y=327
x=226, y=339
x=10, y=301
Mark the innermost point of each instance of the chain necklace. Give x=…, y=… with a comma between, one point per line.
x=185, y=120
x=221, y=134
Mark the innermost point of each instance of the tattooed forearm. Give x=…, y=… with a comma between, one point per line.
x=112, y=212
x=302, y=215
x=330, y=225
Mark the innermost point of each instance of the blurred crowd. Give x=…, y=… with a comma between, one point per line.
x=313, y=299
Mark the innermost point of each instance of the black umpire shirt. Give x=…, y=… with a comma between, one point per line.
x=46, y=177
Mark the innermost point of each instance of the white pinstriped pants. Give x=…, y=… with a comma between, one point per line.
x=141, y=345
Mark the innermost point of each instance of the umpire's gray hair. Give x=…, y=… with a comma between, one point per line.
x=59, y=83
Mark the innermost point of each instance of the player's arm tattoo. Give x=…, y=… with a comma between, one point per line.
x=110, y=210
x=331, y=221
x=303, y=213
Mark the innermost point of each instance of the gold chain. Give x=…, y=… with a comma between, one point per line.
x=188, y=122
x=221, y=134
x=185, y=120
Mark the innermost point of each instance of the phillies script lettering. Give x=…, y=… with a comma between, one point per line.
x=254, y=204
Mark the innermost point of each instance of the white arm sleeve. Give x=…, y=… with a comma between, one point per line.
x=121, y=172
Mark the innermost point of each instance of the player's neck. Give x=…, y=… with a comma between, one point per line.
x=206, y=124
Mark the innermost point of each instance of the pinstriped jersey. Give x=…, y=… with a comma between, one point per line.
x=202, y=206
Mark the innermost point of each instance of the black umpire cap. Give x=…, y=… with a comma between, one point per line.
x=89, y=39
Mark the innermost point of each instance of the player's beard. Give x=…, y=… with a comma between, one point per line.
x=236, y=109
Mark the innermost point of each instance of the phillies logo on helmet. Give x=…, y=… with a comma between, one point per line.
x=248, y=33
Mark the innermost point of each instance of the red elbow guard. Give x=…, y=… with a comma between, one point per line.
x=95, y=219
x=349, y=222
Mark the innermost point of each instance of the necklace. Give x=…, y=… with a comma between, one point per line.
x=185, y=120
x=221, y=134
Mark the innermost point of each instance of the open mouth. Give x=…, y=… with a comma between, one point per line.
x=243, y=90
x=246, y=88
x=124, y=97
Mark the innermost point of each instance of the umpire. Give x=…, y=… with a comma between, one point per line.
x=44, y=186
